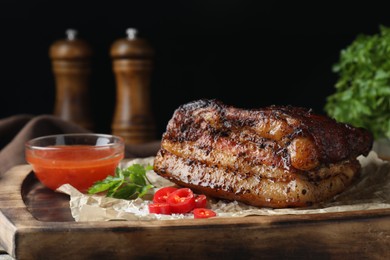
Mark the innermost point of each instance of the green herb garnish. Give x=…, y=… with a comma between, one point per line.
x=129, y=183
x=362, y=96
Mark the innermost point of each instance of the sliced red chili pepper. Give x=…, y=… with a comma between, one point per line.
x=203, y=213
x=200, y=201
x=160, y=208
x=181, y=201
x=162, y=194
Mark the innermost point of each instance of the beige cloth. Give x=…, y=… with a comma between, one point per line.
x=16, y=130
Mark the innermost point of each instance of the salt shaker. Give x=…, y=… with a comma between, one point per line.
x=72, y=68
x=132, y=65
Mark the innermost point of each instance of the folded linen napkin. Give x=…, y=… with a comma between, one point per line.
x=16, y=130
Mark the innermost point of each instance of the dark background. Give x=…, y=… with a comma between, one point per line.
x=245, y=53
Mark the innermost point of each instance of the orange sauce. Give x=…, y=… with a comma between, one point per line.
x=78, y=165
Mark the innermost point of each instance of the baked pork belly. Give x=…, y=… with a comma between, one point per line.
x=278, y=156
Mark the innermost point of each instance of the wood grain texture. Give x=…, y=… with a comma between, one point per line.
x=132, y=61
x=35, y=224
x=71, y=64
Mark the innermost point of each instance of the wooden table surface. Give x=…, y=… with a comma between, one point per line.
x=36, y=224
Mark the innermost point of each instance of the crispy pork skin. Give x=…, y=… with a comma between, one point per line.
x=273, y=157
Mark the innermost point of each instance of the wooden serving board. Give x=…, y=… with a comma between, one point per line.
x=36, y=224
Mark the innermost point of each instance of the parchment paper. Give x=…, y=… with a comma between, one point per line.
x=370, y=191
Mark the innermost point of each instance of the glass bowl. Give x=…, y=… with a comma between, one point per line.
x=77, y=159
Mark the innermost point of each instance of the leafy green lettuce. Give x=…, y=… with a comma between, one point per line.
x=362, y=96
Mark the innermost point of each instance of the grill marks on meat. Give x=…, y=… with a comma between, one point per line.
x=276, y=156
x=252, y=189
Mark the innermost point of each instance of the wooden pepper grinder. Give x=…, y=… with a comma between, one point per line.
x=132, y=65
x=71, y=67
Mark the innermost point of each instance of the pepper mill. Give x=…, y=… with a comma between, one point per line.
x=71, y=67
x=132, y=66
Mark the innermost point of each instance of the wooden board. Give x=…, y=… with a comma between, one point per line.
x=36, y=224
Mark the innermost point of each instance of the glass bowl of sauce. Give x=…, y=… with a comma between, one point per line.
x=77, y=159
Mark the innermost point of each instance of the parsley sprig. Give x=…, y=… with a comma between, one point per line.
x=128, y=183
x=362, y=96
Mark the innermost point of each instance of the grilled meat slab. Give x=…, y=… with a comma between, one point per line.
x=275, y=156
